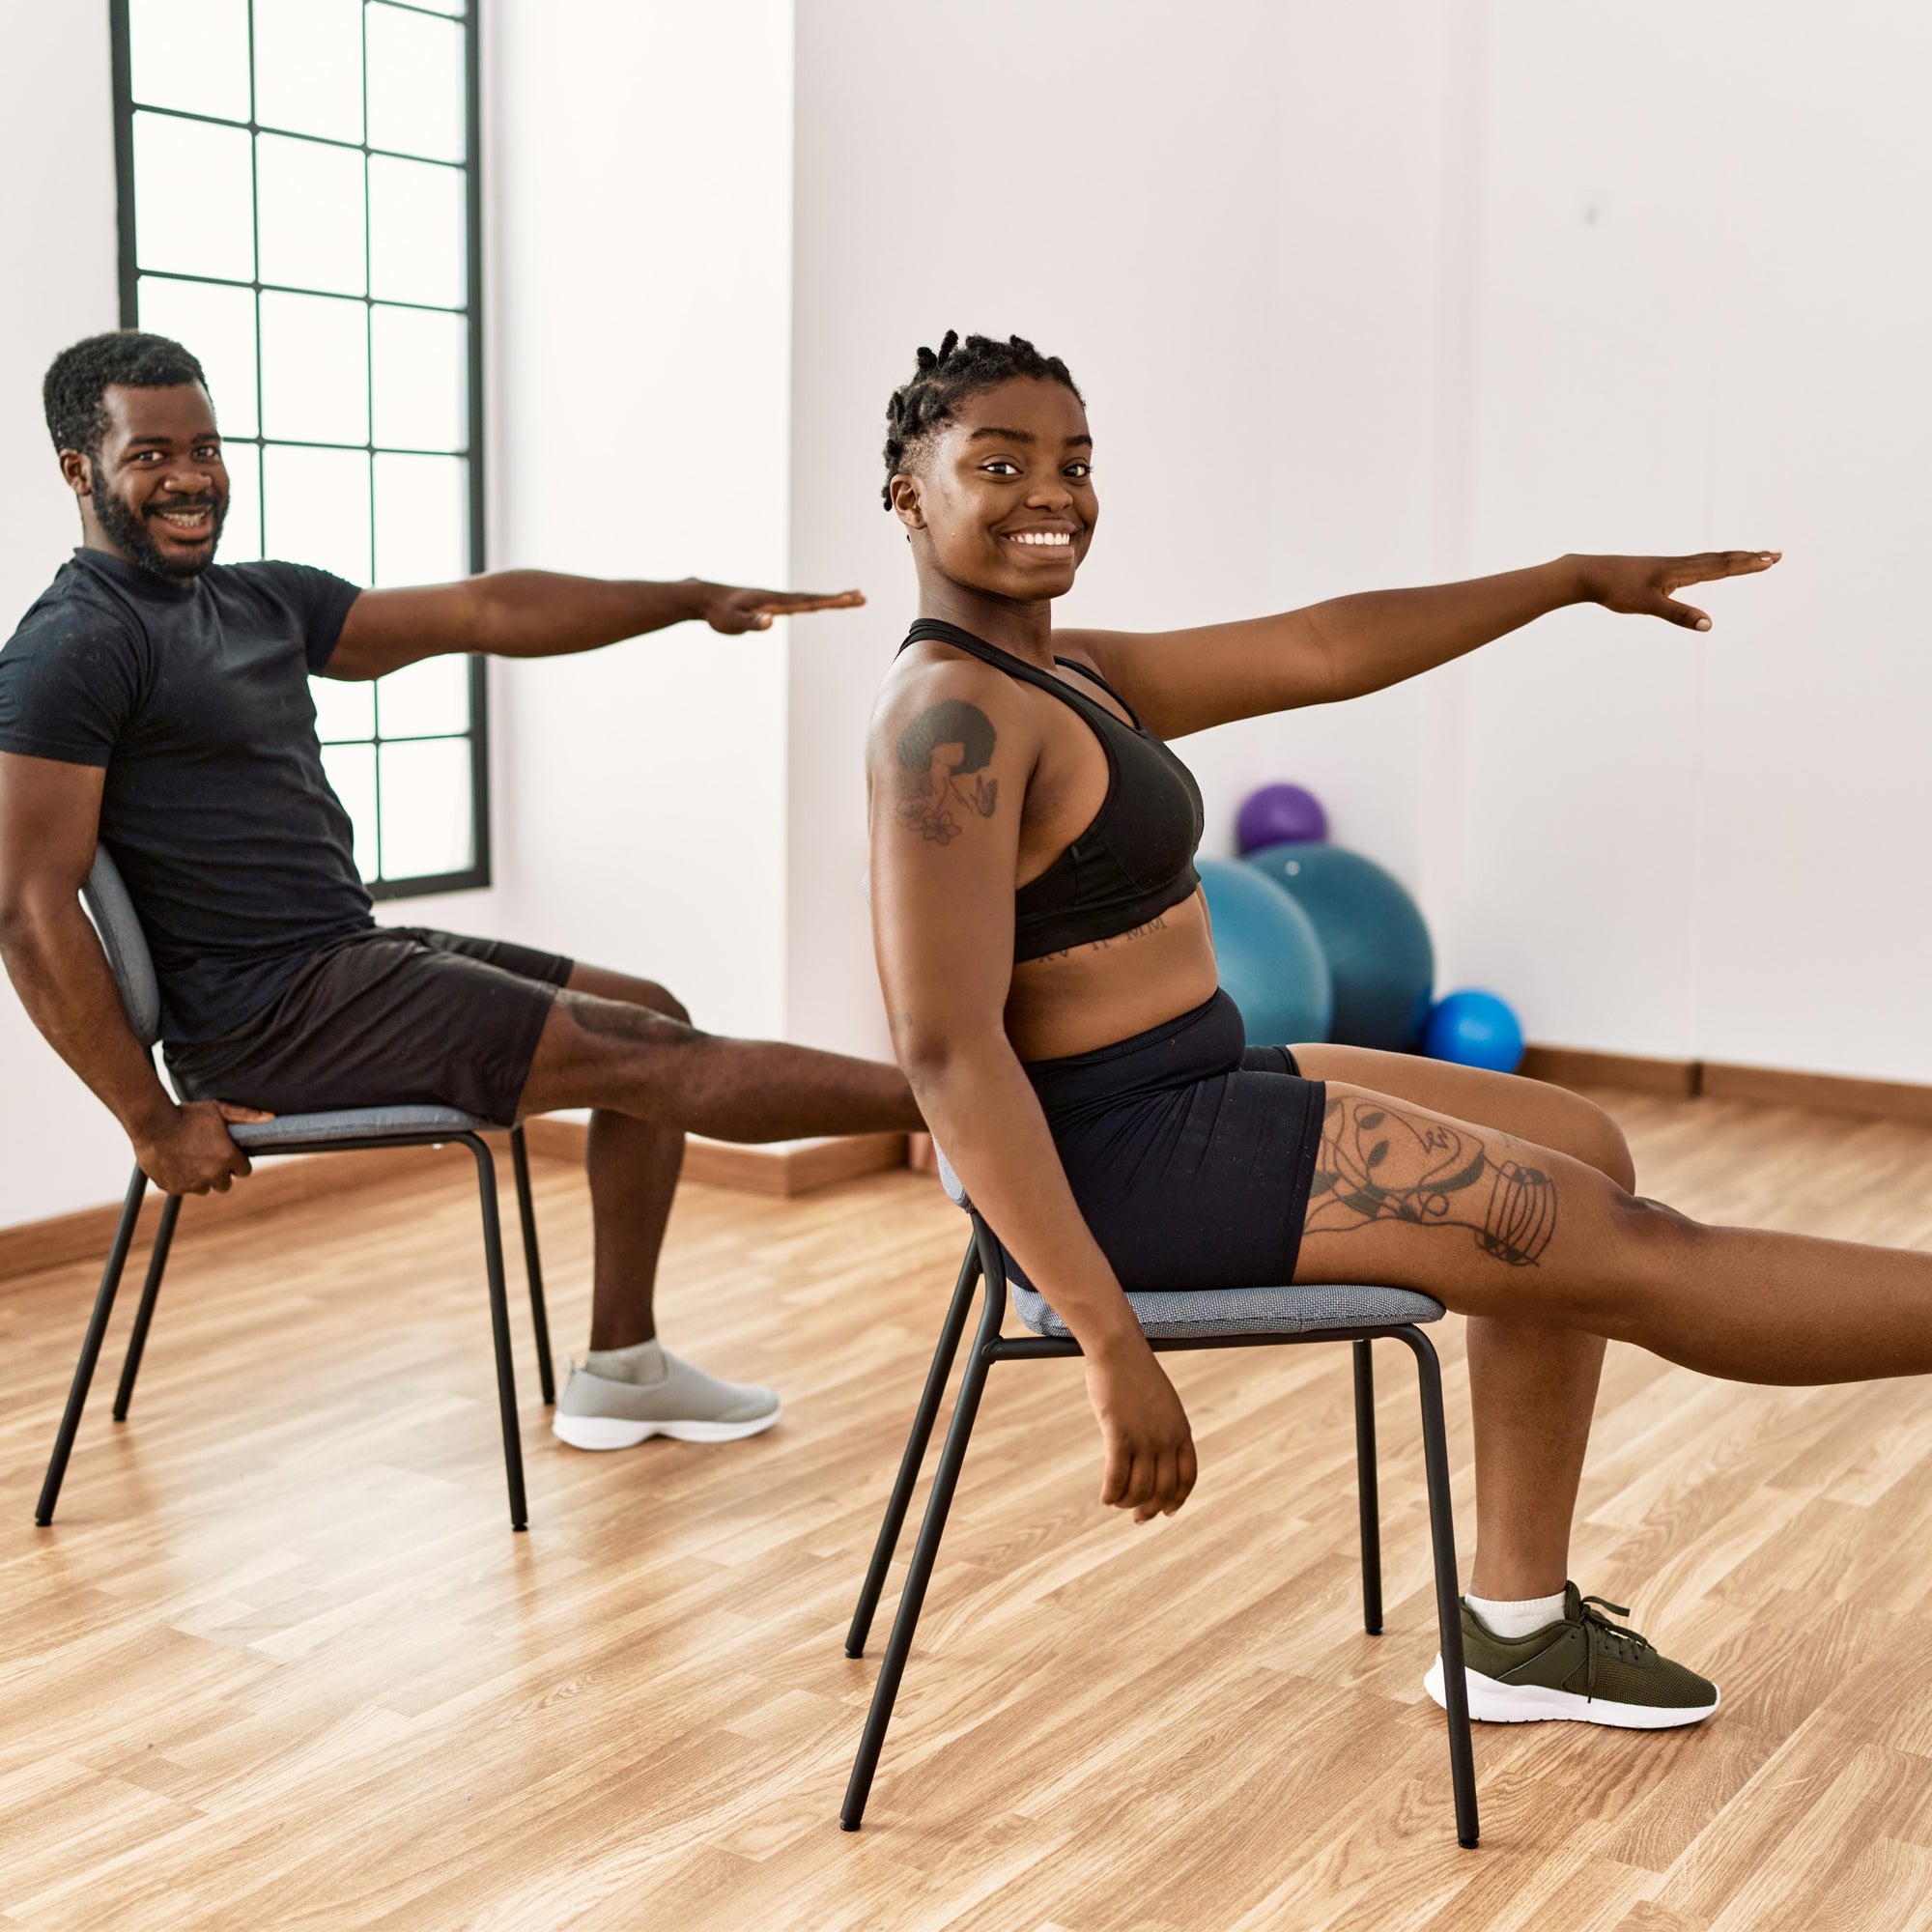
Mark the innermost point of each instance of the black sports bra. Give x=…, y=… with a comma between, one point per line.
x=1136, y=860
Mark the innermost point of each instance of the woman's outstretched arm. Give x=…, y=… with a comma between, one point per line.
x=1182, y=681
x=949, y=760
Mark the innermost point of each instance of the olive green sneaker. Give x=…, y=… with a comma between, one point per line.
x=1583, y=1668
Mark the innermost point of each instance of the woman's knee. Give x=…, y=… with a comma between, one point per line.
x=1591, y=1135
x=1647, y=1252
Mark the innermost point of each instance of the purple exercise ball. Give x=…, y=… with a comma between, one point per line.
x=1280, y=814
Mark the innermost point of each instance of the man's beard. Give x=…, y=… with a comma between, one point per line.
x=130, y=531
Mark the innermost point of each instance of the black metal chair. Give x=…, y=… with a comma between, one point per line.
x=337, y=1132
x=1239, y=1318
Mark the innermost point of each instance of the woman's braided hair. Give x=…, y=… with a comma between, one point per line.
x=947, y=378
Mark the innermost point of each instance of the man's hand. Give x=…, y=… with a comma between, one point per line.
x=734, y=611
x=192, y=1152
x=1150, y=1448
x=1642, y=586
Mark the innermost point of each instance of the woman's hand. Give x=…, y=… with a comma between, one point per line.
x=1150, y=1448
x=1642, y=586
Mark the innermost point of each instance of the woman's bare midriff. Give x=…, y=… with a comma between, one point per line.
x=1092, y=995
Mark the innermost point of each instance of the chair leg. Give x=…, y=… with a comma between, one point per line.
x=914, y=1453
x=1448, y=1592
x=499, y=1327
x=924, y=1554
x=1365, y=1484
x=144, y=1316
x=520, y=1163
x=90, y=1348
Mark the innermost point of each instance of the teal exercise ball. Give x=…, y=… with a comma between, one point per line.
x=1269, y=958
x=1372, y=935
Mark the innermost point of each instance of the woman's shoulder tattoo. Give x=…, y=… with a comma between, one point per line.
x=942, y=755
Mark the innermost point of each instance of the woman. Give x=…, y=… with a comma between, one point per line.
x=1048, y=970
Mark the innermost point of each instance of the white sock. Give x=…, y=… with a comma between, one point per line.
x=642, y=1362
x=1520, y=1618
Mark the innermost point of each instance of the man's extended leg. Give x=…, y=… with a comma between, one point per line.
x=653, y=1067
x=633, y=1167
x=626, y=1048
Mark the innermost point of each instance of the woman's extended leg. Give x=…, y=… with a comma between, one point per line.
x=1491, y=1225
x=1532, y=1386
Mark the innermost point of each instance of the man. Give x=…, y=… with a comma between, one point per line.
x=158, y=703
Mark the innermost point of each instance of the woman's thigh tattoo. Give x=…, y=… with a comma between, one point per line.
x=1377, y=1164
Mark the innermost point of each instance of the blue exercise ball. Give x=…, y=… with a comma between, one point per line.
x=1269, y=958
x=1372, y=935
x=1475, y=1028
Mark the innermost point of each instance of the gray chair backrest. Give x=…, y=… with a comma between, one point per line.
x=126, y=945
x=955, y=1191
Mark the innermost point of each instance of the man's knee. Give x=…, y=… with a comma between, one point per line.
x=622, y=1024
x=662, y=1000
x=602, y=983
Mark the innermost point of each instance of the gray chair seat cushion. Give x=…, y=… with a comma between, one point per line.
x=1230, y=1311
x=354, y=1123
x=1249, y=1311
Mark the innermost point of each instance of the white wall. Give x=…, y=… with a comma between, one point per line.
x=61, y=1150
x=1225, y=221
x=639, y=179
x=1399, y=290
x=1704, y=312
x=637, y=173
x=1359, y=296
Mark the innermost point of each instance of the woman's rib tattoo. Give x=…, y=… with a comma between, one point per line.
x=1377, y=1165
x=942, y=756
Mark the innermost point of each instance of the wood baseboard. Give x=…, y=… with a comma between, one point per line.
x=1582, y=1066
x=1721, y=1080
x=1820, y=1092
x=85, y=1234
x=786, y=1168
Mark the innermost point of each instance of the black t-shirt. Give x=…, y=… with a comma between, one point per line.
x=194, y=696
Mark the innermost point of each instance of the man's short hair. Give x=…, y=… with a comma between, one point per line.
x=79, y=378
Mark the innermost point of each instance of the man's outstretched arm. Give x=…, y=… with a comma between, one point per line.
x=49, y=815
x=538, y=613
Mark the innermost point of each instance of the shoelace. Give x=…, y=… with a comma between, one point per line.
x=1600, y=1632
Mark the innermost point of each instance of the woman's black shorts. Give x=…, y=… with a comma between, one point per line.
x=1189, y=1153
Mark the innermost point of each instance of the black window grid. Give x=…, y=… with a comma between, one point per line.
x=478, y=873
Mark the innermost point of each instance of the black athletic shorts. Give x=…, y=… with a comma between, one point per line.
x=394, y=1015
x=1190, y=1153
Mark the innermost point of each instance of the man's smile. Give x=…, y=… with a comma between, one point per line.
x=197, y=520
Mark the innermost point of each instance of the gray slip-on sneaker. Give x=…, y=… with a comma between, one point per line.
x=600, y=1412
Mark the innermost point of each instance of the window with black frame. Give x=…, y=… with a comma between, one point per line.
x=299, y=207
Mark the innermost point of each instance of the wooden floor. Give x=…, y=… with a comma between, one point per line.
x=281, y=1661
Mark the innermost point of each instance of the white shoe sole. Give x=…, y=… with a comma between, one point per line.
x=1494, y=1703
x=612, y=1431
